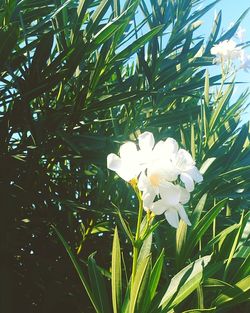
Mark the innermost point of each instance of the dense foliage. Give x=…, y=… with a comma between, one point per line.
x=77, y=79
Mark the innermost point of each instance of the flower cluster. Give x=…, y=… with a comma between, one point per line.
x=227, y=51
x=166, y=174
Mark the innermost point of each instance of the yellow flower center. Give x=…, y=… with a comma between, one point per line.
x=154, y=180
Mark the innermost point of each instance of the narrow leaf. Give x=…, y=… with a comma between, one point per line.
x=116, y=272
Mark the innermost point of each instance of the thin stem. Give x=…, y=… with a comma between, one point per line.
x=136, y=246
x=135, y=258
x=200, y=297
x=137, y=235
x=214, y=228
x=199, y=290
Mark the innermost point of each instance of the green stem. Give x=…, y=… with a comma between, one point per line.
x=199, y=290
x=136, y=246
x=135, y=257
x=200, y=297
x=214, y=228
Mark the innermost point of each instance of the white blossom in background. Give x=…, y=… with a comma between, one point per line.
x=240, y=33
x=226, y=51
x=166, y=174
x=245, y=61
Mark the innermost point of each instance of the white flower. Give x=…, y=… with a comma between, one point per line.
x=131, y=161
x=185, y=166
x=146, y=143
x=245, y=61
x=240, y=34
x=226, y=50
x=172, y=204
x=127, y=166
x=159, y=168
x=151, y=153
x=154, y=182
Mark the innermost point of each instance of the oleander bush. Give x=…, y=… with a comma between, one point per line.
x=78, y=79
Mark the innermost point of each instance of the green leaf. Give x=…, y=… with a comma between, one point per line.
x=199, y=13
x=100, y=228
x=200, y=228
x=235, y=242
x=98, y=14
x=143, y=288
x=138, y=43
x=229, y=34
x=81, y=11
x=184, y=283
x=138, y=282
x=220, y=238
x=198, y=209
x=116, y=270
x=206, y=89
x=125, y=226
x=41, y=55
x=77, y=268
x=220, y=107
x=235, y=294
x=214, y=32
x=112, y=27
x=8, y=40
x=192, y=141
x=181, y=234
x=98, y=285
x=215, y=283
x=200, y=310
x=244, y=269
x=205, y=166
x=145, y=249
x=236, y=149
x=153, y=283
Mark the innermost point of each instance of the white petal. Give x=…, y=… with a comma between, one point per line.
x=169, y=172
x=172, y=217
x=170, y=193
x=143, y=181
x=114, y=163
x=171, y=146
x=183, y=215
x=148, y=199
x=146, y=141
x=184, y=195
x=195, y=174
x=214, y=50
x=127, y=172
x=159, y=148
x=158, y=207
x=154, y=169
x=187, y=181
x=128, y=151
x=184, y=160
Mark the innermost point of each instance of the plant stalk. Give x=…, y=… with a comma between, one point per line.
x=136, y=246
